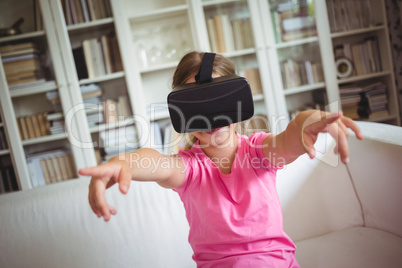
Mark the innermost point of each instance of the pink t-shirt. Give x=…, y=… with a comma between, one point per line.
x=235, y=219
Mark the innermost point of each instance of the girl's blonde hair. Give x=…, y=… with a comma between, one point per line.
x=188, y=67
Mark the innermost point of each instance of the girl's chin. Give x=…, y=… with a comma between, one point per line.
x=214, y=131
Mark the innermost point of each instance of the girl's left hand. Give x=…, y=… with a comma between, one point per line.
x=335, y=124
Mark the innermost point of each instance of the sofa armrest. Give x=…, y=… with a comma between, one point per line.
x=316, y=195
x=376, y=169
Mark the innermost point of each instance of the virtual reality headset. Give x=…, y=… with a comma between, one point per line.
x=210, y=103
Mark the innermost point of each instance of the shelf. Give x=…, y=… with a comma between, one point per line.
x=86, y=25
x=238, y=53
x=4, y=152
x=160, y=116
x=29, y=89
x=358, y=31
x=22, y=36
x=363, y=77
x=159, y=13
x=218, y=2
x=303, y=41
x=305, y=88
x=102, y=78
x=102, y=127
x=43, y=139
x=160, y=67
x=258, y=97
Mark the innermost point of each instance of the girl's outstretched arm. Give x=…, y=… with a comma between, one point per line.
x=302, y=132
x=141, y=165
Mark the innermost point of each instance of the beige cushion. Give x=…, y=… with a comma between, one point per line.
x=351, y=248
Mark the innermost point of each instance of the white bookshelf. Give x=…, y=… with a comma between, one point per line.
x=150, y=84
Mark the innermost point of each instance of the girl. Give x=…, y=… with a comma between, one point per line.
x=226, y=181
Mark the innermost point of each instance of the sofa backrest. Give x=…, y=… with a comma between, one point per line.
x=376, y=169
x=316, y=195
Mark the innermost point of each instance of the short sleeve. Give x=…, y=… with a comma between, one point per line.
x=188, y=159
x=255, y=149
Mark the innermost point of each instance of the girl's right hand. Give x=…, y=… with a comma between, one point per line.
x=103, y=177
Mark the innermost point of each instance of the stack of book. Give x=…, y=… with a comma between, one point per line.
x=8, y=182
x=365, y=55
x=21, y=63
x=298, y=73
x=377, y=100
x=79, y=11
x=118, y=140
x=56, y=117
x=98, y=56
x=91, y=96
x=347, y=15
x=34, y=126
x=50, y=167
x=227, y=35
x=350, y=99
x=293, y=22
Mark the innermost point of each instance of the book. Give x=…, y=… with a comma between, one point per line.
x=237, y=25
x=31, y=131
x=57, y=168
x=91, y=10
x=227, y=33
x=106, y=54
x=45, y=171
x=19, y=66
x=219, y=34
x=80, y=63
x=73, y=10
x=36, y=126
x=67, y=11
x=213, y=39
x=89, y=62
x=110, y=111
x=62, y=167
x=253, y=77
x=14, y=47
x=24, y=129
x=85, y=11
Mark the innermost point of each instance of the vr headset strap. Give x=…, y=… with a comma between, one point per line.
x=205, y=73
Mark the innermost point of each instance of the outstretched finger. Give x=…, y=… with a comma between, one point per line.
x=124, y=179
x=98, y=171
x=353, y=126
x=340, y=136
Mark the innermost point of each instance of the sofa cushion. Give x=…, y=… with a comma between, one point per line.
x=53, y=226
x=316, y=195
x=351, y=248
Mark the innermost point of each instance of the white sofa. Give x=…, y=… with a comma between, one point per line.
x=53, y=226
